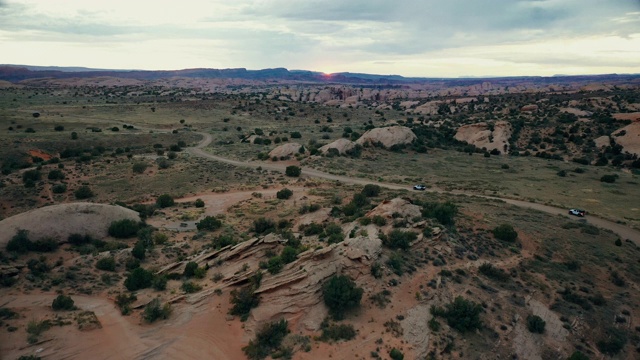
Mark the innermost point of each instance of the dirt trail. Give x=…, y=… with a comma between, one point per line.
x=623, y=231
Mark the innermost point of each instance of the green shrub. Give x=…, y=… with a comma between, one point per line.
x=20, y=242
x=396, y=263
x=360, y=200
x=77, y=239
x=371, y=190
x=535, y=324
x=199, y=203
x=312, y=229
x=462, y=314
x=274, y=265
x=443, y=212
x=434, y=324
x=341, y=294
x=243, y=300
x=123, y=301
x=55, y=175
x=165, y=200
x=160, y=283
x=139, y=168
x=190, y=287
x=608, y=178
x=29, y=357
x=59, y=188
x=505, y=232
x=264, y=226
x=83, y=192
x=268, y=340
x=138, y=279
x=398, y=239
x=284, y=194
x=44, y=245
x=190, y=269
x=209, y=223
x=223, y=240
x=139, y=251
x=124, y=229
x=160, y=238
x=493, y=272
x=614, y=343
x=8, y=314
x=396, y=354
x=293, y=171
x=376, y=270
x=598, y=300
x=31, y=175
x=574, y=298
x=106, y=264
x=35, y=328
x=288, y=254
x=153, y=311
x=577, y=355
x=379, y=220
x=381, y=299
x=63, y=302
x=337, y=332
x=200, y=273
x=38, y=267
x=333, y=233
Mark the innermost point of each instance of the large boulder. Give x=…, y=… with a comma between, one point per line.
x=602, y=141
x=388, y=136
x=60, y=221
x=629, y=138
x=342, y=145
x=481, y=136
x=285, y=150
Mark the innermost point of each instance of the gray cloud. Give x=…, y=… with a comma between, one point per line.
x=294, y=33
x=438, y=24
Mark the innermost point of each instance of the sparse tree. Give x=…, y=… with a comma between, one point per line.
x=164, y=201
x=341, y=294
x=83, y=192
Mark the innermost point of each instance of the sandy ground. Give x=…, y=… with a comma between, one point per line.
x=193, y=332
x=203, y=330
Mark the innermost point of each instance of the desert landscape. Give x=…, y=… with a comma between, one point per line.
x=320, y=180
x=176, y=219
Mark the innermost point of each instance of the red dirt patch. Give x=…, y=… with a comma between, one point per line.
x=41, y=154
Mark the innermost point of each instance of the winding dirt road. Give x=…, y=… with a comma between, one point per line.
x=621, y=230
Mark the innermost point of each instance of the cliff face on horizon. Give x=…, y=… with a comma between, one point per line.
x=17, y=73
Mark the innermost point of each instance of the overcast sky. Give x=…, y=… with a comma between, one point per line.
x=432, y=38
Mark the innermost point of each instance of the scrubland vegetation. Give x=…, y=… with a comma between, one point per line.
x=479, y=273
